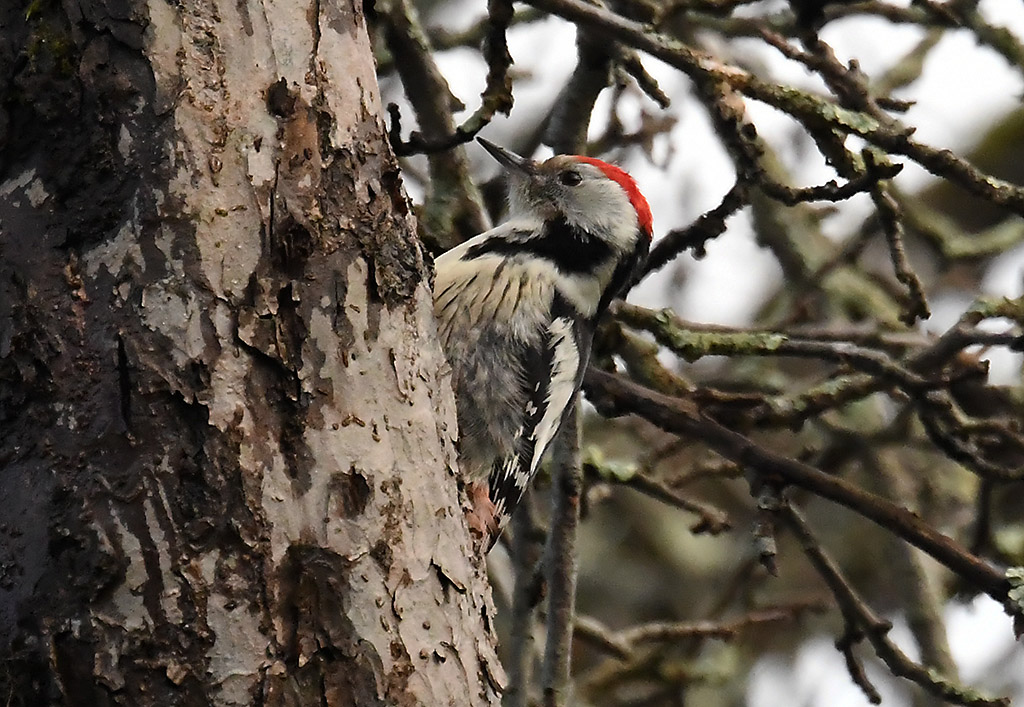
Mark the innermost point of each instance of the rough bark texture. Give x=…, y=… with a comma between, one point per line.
x=225, y=437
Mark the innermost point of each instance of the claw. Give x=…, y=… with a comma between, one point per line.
x=482, y=515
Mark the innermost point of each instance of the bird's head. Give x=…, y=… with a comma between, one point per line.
x=595, y=196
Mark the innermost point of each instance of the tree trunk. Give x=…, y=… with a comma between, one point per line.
x=226, y=452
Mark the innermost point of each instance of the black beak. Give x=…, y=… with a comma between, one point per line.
x=509, y=159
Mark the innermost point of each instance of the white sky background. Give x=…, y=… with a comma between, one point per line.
x=953, y=109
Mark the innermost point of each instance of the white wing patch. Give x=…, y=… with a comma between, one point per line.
x=565, y=366
x=509, y=469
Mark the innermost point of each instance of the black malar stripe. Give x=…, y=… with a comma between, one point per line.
x=572, y=250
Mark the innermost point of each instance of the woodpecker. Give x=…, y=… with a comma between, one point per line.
x=516, y=309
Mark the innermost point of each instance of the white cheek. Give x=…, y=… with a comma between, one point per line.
x=603, y=208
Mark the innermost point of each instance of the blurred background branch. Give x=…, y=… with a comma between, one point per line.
x=804, y=170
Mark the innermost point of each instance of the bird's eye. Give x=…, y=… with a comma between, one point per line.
x=570, y=178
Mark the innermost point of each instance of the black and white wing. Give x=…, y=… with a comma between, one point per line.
x=554, y=373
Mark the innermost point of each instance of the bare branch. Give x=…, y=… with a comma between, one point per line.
x=615, y=394
x=815, y=112
x=496, y=96
x=859, y=616
x=561, y=562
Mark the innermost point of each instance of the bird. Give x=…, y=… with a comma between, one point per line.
x=517, y=307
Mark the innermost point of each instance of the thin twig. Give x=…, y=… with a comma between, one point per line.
x=622, y=644
x=496, y=96
x=712, y=520
x=921, y=589
x=694, y=237
x=892, y=225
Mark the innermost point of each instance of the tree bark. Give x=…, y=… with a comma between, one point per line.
x=226, y=435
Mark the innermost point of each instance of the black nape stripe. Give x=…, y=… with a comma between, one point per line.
x=626, y=273
x=570, y=249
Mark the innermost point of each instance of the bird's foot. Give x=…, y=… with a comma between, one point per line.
x=482, y=515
